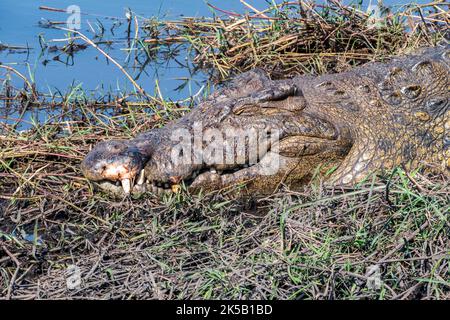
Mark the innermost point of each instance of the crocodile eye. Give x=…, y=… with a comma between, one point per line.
x=412, y=91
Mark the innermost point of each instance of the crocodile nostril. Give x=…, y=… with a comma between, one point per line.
x=102, y=168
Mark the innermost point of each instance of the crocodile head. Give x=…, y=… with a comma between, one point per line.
x=260, y=140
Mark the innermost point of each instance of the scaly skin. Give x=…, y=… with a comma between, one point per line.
x=370, y=119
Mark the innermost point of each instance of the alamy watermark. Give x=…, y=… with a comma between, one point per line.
x=74, y=19
x=373, y=274
x=374, y=12
x=73, y=277
x=226, y=146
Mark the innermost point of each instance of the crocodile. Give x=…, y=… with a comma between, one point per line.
x=340, y=127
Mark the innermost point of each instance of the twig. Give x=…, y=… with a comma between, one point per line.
x=16, y=272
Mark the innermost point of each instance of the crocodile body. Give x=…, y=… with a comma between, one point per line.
x=339, y=126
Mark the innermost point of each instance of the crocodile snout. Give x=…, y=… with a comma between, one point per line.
x=113, y=160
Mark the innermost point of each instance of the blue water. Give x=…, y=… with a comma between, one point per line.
x=19, y=25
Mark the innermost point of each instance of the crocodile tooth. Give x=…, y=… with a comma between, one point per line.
x=141, y=178
x=126, y=185
x=212, y=170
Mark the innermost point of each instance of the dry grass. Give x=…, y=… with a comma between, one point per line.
x=316, y=243
x=304, y=37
